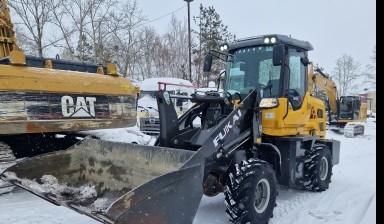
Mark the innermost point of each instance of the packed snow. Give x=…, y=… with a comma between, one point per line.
x=350, y=199
x=50, y=184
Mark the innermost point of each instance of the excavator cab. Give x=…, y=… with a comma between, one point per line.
x=352, y=111
x=349, y=107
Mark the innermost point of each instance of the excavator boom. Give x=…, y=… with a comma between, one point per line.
x=7, y=34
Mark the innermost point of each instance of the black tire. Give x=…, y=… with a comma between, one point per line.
x=318, y=168
x=251, y=194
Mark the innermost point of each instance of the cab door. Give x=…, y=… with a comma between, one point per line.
x=296, y=89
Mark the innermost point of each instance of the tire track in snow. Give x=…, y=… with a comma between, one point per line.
x=287, y=201
x=370, y=211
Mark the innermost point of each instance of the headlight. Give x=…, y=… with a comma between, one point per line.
x=269, y=103
x=224, y=47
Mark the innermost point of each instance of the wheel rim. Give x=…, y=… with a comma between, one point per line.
x=262, y=195
x=323, y=168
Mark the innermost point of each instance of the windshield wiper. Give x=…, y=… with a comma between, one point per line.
x=270, y=85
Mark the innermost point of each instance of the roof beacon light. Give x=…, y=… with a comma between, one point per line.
x=273, y=40
x=266, y=40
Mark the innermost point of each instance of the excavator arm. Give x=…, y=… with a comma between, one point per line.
x=317, y=79
x=7, y=34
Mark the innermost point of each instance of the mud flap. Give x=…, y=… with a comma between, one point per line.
x=131, y=183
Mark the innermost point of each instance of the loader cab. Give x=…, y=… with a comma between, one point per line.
x=274, y=64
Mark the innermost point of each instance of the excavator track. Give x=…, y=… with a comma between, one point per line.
x=349, y=130
x=352, y=130
x=7, y=159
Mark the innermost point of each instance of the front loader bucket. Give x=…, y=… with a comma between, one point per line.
x=116, y=182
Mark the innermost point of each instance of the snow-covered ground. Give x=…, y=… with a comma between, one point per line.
x=351, y=198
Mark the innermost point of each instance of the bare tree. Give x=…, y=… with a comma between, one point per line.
x=370, y=70
x=105, y=18
x=66, y=30
x=147, y=44
x=24, y=43
x=176, y=39
x=103, y=28
x=72, y=18
x=127, y=41
x=345, y=73
x=34, y=16
x=161, y=57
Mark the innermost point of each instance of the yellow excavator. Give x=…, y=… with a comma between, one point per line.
x=267, y=129
x=345, y=113
x=45, y=102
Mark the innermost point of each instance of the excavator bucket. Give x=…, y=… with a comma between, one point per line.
x=116, y=182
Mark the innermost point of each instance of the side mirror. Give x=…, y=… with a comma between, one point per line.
x=208, y=63
x=304, y=61
x=278, y=54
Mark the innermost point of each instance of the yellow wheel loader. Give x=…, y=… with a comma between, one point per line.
x=45, y=102
x=267, y=130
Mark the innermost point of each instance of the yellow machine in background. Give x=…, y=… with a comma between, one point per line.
x=43, y=97
x=345, y=113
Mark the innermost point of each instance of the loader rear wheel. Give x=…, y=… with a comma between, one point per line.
x=318, y=168
x=251, y=194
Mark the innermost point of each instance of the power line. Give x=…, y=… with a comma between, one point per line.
x=163, y=16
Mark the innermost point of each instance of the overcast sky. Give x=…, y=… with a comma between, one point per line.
x=333, y=27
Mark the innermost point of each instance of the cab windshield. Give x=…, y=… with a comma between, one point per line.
x=250, y=68
x=349, y=107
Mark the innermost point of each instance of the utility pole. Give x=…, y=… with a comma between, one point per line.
x=200, y=58
x=189, y=39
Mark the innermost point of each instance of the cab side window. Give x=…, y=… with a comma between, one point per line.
x=297, y=79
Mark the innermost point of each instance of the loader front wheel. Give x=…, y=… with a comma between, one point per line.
x=318, y=168
x=251, y=194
